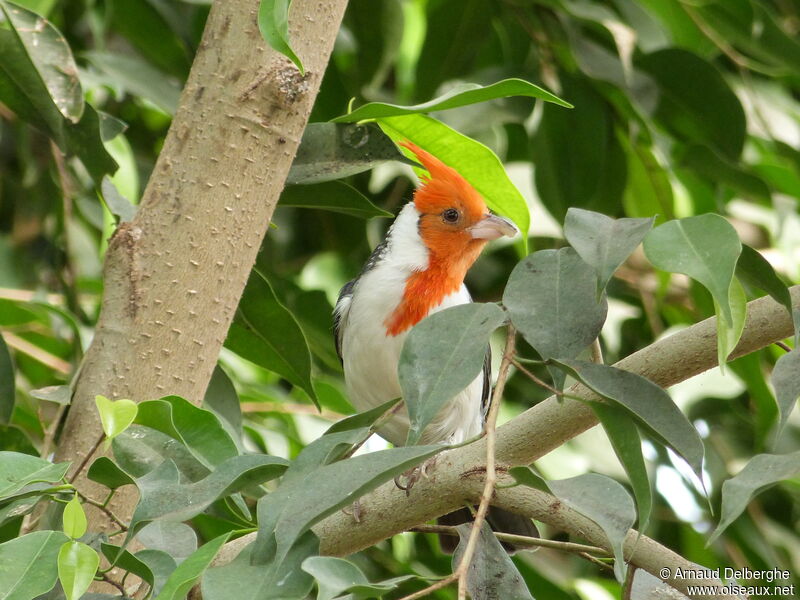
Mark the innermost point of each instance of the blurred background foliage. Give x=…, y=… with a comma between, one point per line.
x=682, y=107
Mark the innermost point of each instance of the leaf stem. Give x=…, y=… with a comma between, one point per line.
x=86, y=458
x=102, y=506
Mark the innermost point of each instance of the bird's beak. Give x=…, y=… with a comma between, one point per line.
x=492, y=227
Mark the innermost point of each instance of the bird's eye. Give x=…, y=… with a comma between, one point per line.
x=450, y=215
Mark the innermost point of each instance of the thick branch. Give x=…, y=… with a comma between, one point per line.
x=174, y=275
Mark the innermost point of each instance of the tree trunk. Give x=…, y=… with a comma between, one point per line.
x=174, y=275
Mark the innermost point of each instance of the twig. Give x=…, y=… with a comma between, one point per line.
x=87, y=457
x=50, y=432
x=783, y=346
x=597, y=352
x=535, y=379
x=432, y=588
x=291, y=408
x=105, y=509
x=116, y=584
x=519, y=540
x=491, y=473
x=595, y=560
x=44, y=357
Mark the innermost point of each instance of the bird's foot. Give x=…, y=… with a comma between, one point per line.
x=355, y=511
x=407, y=480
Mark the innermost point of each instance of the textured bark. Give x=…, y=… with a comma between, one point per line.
x=174, y=275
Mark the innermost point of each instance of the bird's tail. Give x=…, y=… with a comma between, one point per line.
x=500, y=520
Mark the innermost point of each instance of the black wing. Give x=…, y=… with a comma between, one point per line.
x=347, y=292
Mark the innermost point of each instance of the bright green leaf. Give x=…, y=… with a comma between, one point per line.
x=606, y=503
x=74, y=518
x=603, y=242
x=762, y=472
x=786, y=380
x=273, y=23
x=460, y=95
x=705, y=248
x=551, y=297
x=335, y=196
x=116, y=415
x=77, y=565
x=475, y=162
x=442, y=355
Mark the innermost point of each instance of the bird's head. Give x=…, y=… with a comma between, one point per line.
x=454, y=219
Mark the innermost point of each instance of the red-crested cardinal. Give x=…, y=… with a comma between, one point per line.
x=417, y=270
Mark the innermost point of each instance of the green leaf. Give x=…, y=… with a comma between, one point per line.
x=106, y=472
x=335, y=196
x=177, y=539
x=646, y=401
x=475, y=162
x=786, y=381
x=60, y=394
x=160, y=564
x=337, y=576
x=606, y=503
x=115, y=416
x=331, y=151
x=254, y=581
x=716, y=169
x=189, y=571
x=163, y=496
x=266, y=333
x=695, y=103
x=460, y=95
x=755, y=270
x=29, y=565
x=579, y=160
x=129, y=562
x=551, y=297
x=199, y=430
x=525, y=475
x=273, y=23
x=138, y=78
x=441, y=357
x=26, y=90
x=648, y=190
x=491, y=573
x=140, y=449
x=291, y=510
x=51, y=58
x=119, y=206
x=728, y=335
x=74, y=518
x=20, y=470
x=363, y=419
x=603, y=242
x=762, y=472
x=222, y=399
x=7, y=387
x=705, y=248
x=77, y=565
x=624, y=437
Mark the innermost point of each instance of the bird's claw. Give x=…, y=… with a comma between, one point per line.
x=413, y=475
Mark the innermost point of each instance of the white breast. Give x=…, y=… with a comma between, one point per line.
x=370, y=356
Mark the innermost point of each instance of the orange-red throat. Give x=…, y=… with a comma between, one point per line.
x=454, y=225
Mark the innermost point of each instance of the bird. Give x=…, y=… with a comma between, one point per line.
x=417, y=270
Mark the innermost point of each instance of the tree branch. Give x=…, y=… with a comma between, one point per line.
x=456, y=481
